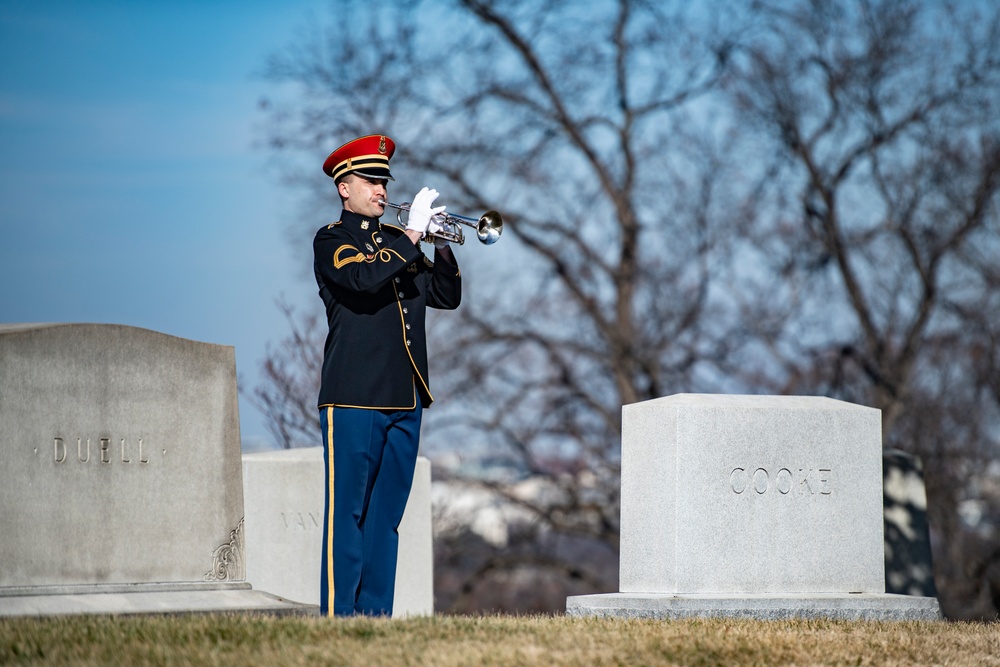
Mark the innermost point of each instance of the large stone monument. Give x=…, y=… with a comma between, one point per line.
x=283, y=497
x=751, y=506
x=120, y=480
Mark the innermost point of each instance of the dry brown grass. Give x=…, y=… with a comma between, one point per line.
x=488, y=640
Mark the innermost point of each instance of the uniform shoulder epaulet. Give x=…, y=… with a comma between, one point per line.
x=393, y=228
x=333, y=224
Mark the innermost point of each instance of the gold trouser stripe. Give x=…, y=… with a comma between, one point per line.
x=329, y=513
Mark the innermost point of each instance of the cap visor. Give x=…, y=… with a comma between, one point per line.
x=374, y=173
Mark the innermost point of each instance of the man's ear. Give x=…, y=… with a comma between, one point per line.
x=343, y=189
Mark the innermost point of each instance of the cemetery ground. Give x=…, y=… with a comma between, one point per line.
x=241, y=639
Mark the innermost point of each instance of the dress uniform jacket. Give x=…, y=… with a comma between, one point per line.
x=376, y=285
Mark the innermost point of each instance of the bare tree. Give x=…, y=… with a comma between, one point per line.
x=290, y=380
x=615, y=204
x=599, y=293
x=789, y=198
x=883, y=233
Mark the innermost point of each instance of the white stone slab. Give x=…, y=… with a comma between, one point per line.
x=849, y=607
x=284, y=532
x=751, y=495
x=148, y=600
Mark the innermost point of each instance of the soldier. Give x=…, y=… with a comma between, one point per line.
x=376, y=284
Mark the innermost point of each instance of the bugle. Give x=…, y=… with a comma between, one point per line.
x=488, y=227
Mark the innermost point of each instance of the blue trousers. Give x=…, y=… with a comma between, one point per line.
x=369, y=458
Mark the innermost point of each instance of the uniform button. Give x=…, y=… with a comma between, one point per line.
x=400, y=295
x=397, y=279
x=406, y=310
x=378, y=239
x=407, y=327
x=407, y=342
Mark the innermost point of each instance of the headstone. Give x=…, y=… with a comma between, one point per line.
x=120, y=482
x=760, y=506
x=284, y=498
x=908, y=565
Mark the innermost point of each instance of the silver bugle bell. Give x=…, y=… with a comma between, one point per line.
x=489, y=226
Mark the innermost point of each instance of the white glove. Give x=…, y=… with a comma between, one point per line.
x=421, y=211
x=434, y=228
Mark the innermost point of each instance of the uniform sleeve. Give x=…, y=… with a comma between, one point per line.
x=445, y=291
x=339, y=260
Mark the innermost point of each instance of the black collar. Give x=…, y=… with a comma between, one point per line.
x=361, y=222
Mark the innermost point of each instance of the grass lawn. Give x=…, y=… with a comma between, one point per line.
x=487, y=640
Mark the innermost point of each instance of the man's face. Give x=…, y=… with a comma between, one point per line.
x=361, y=195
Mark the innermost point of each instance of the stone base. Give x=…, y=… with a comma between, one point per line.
x=147, y=599
x=848, y=607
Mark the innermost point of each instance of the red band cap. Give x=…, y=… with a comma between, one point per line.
x=367, y=156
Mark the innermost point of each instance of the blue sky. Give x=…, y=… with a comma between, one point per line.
x=132, y=186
